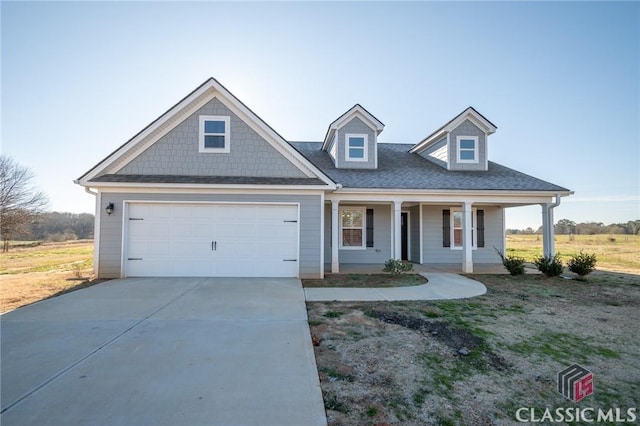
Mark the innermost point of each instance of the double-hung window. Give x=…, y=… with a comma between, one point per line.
x=356, y=146
x=467, y=149
x=352, y=228
x=453, y=228
x=214, y=133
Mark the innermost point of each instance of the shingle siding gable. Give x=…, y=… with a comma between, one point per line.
x=467, y=128
x=356, y=126
x=177, y=152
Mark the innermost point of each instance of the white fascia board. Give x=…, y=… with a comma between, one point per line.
x=199, y=94
x=356, y=111
x=471, y=115
x=196, y=188
x=300, y=190
x=210, y=90
x=271, y=136
x=437, y=197
x=423, y=144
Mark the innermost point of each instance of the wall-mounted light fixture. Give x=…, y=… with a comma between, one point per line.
x=110, y=208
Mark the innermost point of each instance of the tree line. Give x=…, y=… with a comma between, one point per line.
x=23, y=213
x=569, y=227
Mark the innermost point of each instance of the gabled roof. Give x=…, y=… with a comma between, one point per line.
x=468, y=114
x=355, y=111
x=204, y=93
x=398, y=169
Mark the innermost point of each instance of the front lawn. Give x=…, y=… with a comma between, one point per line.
x=477, y=361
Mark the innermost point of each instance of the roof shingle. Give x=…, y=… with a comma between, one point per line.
x=400, y=169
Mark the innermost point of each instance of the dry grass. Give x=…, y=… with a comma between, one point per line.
x=402, y=363
x=30, y=273
x=615, y=253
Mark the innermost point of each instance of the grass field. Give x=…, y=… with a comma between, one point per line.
x=617, y=253
x=32, y=272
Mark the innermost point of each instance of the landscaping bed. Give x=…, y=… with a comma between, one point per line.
x=365, y=280
x=476, y=361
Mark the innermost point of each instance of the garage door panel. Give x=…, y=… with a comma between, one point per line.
x=176, y=240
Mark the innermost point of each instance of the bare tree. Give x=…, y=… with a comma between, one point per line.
x=20, y=201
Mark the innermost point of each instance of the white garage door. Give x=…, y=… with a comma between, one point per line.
x=211, y=240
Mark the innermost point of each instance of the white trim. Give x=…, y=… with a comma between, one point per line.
x=365, y=148
x=476, y=151
x=449, y=151
x=363, y=228
x=125, y=236
x=474, y=227
x=356, y=111
x=125, y=221
x=421, y=236
x=227, y=133
x=205, y=93
x=502, y=198
x=96, y=235
x=468, y=114
x=182, y=187
x=322, y=218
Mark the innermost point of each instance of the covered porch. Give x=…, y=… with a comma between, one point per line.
x=437, y=233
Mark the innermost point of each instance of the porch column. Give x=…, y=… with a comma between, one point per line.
x=335, y=242
x=397, y=230
x=548, y=245
x=467, y=244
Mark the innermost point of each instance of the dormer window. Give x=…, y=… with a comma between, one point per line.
x=356, y=147
x=467, y=149
x=214, y=134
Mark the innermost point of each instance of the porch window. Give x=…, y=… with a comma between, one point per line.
x=352, y=227
x=453, y=228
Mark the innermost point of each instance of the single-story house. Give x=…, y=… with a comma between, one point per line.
x=210, y=189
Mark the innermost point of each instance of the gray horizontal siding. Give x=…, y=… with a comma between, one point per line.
x=432, y=237
x=379, y=253
x=177, y=152
x=111, y=226
x=437, y=153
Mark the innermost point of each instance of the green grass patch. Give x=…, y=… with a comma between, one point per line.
x=561, y=347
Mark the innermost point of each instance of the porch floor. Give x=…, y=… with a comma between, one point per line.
x=455, y=268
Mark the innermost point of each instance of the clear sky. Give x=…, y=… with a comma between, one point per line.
x=560, y=80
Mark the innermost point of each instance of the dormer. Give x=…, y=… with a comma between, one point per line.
x=461, y=144
x=352, y=139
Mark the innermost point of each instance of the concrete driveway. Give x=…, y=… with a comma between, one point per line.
x=163, y=351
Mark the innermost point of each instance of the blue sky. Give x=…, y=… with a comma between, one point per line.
x=560, y=80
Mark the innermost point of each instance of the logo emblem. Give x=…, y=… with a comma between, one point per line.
x=575, y=382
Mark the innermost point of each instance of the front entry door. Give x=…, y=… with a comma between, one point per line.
x=404, y=232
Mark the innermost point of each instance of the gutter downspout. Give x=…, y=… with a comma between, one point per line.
x=548, y=231
x=96, y=231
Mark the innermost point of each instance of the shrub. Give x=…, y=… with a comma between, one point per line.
x=582, y=264
x=513, y=264
x=549, y=266
x=397, y=266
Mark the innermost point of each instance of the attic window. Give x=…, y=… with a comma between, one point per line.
x=214, y=134
x=467, y=149
x=356, y=146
